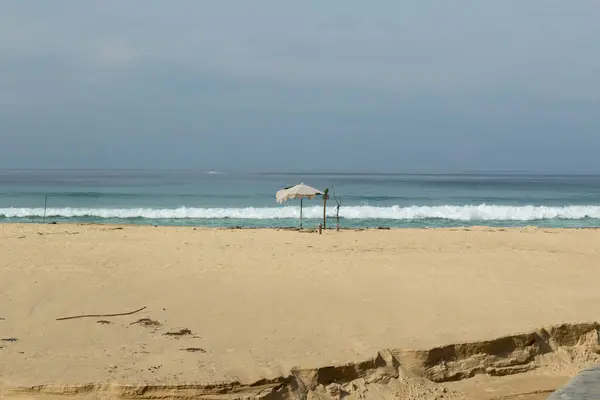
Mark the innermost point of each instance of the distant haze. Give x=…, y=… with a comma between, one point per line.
x=293, y=86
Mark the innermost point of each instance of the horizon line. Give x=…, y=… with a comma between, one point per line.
x=423, y=172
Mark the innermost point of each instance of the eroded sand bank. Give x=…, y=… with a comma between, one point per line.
x=265, y=304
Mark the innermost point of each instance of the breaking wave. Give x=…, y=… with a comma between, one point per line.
x=481, y=212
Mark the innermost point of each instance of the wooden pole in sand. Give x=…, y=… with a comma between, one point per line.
x=45, y=206
x=325, y=196
x=301, y=213
x=337, y=210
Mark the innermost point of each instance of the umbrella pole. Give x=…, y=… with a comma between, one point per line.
x=300, y=213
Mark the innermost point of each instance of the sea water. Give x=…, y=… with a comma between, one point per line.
x=200, y=198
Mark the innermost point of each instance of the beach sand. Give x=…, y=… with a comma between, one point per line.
x=261, y=306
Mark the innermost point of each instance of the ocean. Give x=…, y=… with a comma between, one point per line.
x=200, y=198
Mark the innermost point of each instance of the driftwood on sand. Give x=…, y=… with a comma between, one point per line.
x=100, y=315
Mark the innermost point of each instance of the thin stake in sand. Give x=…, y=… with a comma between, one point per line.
x=100, y=315
x=45, y=207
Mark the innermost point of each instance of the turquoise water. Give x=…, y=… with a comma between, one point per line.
x=225, y=199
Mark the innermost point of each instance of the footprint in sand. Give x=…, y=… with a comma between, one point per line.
x=194, y=350
x=179, y=333
x=147, y=322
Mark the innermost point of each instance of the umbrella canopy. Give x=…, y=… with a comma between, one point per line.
x=300, y=191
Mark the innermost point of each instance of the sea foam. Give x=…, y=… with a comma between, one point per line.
x=481, y=212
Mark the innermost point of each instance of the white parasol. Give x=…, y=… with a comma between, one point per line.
x=300, y=191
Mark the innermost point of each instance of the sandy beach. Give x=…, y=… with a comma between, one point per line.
x=250, y=308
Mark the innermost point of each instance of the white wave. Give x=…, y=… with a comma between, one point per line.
x=481, y=212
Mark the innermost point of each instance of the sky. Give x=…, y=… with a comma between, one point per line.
x=277, y=86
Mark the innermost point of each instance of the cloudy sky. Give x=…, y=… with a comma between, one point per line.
x=286, y=86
